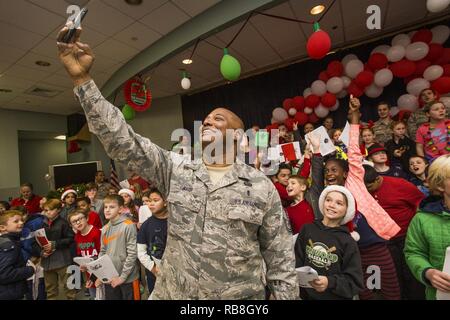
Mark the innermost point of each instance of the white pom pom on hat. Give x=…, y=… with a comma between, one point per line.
x=127, y=191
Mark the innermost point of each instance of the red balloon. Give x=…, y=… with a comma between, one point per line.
x=421, y=66
x=313, y=118
x=272, y=126
x=323, y=76
x=441, y=85
x=364, y=79
x=403, y=68
x=287, y=104
x=312, y=101
x=446, y=70
x=335, y=69
x=301, y=118
x=289, y=123
x=355, y=90
x=318, y=45
x=378, y=61
x=435, y=52
x=299, y=103
x=445, y=58
x=423, y=35
x=328, y=100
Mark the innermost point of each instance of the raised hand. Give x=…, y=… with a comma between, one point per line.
x=295, y=126
x=76, y=57
x=354, y=104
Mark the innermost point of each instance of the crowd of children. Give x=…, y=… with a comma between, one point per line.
x=382, y=199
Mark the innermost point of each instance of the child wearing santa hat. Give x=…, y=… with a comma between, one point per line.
x=130, y=209
x=328, y=247
x=68, y=199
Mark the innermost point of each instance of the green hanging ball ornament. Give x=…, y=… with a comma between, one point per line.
x=128, y=112
x=230, y=66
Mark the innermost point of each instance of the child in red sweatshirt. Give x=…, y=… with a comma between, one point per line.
x=300, y=211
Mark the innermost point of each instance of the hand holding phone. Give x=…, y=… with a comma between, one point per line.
x=76, y=23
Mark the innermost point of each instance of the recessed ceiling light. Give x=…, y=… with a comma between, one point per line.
x=62, y=137
x=5, y=90
x=187, y=61
x=317, y=9
x=134, y=38
x=134, y=2
x=43, y=63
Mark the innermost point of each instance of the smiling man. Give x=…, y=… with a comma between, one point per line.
x=228, y=233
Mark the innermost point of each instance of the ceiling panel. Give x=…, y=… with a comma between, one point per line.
x=397, y=15
x=17, y=37
x=194, y=7
x=165, y=18
x=14, y=83
x=116, y=50
x=144, y=36
x=26, y=73
x=30, y=59
x=58, y=80
x=135, y=12
x=10, y=54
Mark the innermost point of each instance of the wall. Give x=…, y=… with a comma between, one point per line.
x=10, y=123
x=34, y=162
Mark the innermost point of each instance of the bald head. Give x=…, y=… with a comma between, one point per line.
x=234, y=122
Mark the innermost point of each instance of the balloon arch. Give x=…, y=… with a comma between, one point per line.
x=419, y=58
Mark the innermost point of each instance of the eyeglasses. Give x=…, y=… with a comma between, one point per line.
x=74, y=222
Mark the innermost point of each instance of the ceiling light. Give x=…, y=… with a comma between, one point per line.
x=187, y=61
x=62, y=137
x=317, y=9
x=134, y=2
x=43, y=63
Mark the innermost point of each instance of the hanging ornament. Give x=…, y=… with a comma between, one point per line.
x=319, y=43
x=185, y=82
x=128, y=112
x=137, y=94
x=230, y=66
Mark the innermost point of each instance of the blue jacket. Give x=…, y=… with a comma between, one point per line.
x=30, y=248
x=13, y=272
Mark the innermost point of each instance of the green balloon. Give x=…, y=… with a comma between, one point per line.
x=230, y=67
x=128, y=112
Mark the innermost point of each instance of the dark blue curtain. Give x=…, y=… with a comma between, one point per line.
x=253, y=99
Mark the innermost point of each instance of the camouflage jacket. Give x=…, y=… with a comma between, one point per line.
x=382, y=131
x=224, y=240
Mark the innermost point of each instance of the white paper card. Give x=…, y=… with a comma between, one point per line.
x=103, y=268
x=326, y=144
x=305, y=275
x=82, y=261
x=273, y=154
x=144, y=213
x=345, y=135
x=439, y=294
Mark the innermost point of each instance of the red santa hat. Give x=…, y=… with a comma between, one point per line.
x=351, y=207
x=65, y=193
x=127, y=191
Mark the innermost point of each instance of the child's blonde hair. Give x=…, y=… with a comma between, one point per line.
x=76, y=212
x=438, y=172
x=8, y=214
x=53, y=204
x=301, y=180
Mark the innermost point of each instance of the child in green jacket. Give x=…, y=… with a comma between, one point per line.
x=429, y=232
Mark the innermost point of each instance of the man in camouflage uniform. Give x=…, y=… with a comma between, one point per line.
x=382, y=127
x=227, y=237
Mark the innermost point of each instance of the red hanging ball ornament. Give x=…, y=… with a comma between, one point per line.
x=287, y=104
x=335, y=69
x=324, y=76
x=364, y=79
x=319, y=43
x=73, y=147
x=299, y=103
x=378, y=61
x=423, y=35
x=312, y=101
x=301, y=118
x=355, y=90
x=421, y=66
x=441, y=85
x=313, y=118
x=403, y=68
x=328, y=100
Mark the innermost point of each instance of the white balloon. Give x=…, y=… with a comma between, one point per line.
x=272, y=121
x=353, y=68
x=401, y=39
x=185, y=83
x=373, y=91
x=342, y=94
x=279, y=115
x=307, y=92
x=383, y=77
x=437, y=5
x=408, y=102
x=335, y=85
x=394, y=111
x=440, y=34
x=417, y=51
x=433, y=72
x=415, y=86
x=321, y=111
x=446, y=101
x=292, y=111
x=308, y=110
x=381, y=49
x=319, y=88
x=348, y=58
x=396, y=53
x=347, y=81
x=335, y=107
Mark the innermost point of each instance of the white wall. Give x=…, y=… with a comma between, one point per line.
x=10, y=123
x=35, y=156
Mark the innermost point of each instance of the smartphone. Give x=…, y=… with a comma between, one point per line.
x=69, y=36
